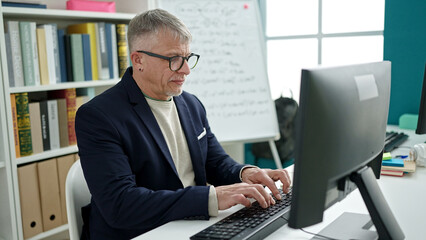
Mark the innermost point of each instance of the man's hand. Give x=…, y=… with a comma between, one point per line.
x=267, y=177
x=230, y=195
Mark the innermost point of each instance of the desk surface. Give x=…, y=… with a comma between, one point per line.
x=406, y=197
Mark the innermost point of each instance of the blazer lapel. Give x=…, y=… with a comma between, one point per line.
x=142, y=109
x=192, y=141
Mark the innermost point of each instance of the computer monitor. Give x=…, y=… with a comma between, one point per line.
x=340, y=135
x=421, y=122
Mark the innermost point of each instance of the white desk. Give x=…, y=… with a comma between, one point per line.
x=406, y=197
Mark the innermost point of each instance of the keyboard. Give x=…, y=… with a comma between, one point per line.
x=393, y=140
x=252, y=222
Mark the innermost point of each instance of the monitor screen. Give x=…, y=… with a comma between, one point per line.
x=421, y=122
x=340, y=134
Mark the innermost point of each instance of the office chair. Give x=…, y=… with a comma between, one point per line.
x=77, y=195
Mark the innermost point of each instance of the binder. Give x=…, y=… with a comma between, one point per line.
x=49, y=194
x=64, y=164
x=30, y=200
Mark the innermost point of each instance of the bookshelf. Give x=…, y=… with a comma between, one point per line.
x=10, y=210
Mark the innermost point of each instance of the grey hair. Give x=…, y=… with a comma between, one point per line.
x=148, y=24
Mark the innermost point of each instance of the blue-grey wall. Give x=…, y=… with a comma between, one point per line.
x=405, y=46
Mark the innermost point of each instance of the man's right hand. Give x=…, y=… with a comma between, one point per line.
x=231, y=195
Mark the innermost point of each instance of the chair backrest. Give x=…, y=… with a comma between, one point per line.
x=77, y=195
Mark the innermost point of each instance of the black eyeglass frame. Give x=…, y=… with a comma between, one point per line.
x=171, y=58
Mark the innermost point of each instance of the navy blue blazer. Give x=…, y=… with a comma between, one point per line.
x=129, y=170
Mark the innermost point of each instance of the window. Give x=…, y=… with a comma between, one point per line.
x=306, y=33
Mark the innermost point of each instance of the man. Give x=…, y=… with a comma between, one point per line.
x=146, y=147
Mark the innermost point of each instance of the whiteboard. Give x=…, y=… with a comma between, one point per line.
x=230, y=78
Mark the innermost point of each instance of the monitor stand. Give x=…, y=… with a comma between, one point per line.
x=381, y=215
x=349, y=226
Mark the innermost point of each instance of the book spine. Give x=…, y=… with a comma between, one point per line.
x=114, y=52
x=122, y=48
x=85, y=38
x=35, y=61
x=27, y=53
x=50, y=53
x=42, y=56
x=56, y=52
x=109, y=48
x=9, y=60
x=102, y=51
x=52, y=108
x=68, y=58
x=24, y=124
x=15, y=45
x=63, y=122
x=15, y=125
x=70, y=97
x=44, y=119
x=77, y=57
x=36, y=138
x=62, y=55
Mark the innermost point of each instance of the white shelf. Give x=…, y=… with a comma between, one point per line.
x=47, y=154
x=10, y=211
x=61, y=14
x=65, y=85
x=62, y=230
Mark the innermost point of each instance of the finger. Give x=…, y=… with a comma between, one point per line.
x=268, y=181
x=241, y=199
x=257, y=192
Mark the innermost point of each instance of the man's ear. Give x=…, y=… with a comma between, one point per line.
x=136, y=59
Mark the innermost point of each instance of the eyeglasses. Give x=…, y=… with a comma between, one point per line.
x=176, y=62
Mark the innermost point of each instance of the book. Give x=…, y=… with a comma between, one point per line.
x=56, y=52
x=42, y=56
x=68, y=58
x=88, y=28
x=114, y=51
x=50, y=52
x=122, y=48
x=15, y=125
x=52, y=109
x=103, y=65
x=409, y=166
x=77, y=60
x=63, y=122
x=15, y=46
x=70, y=96
x=62, y=55
x=24, y=124
x=80, y=100
x=28, y=38
x=9, y=60
x=44, y=120
x=394, y=162
x=85, y=38
x=109, y=47
x=23, y=4
x=36, y=136
x=392, y=173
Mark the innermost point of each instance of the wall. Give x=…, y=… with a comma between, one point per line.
x=405, y=46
